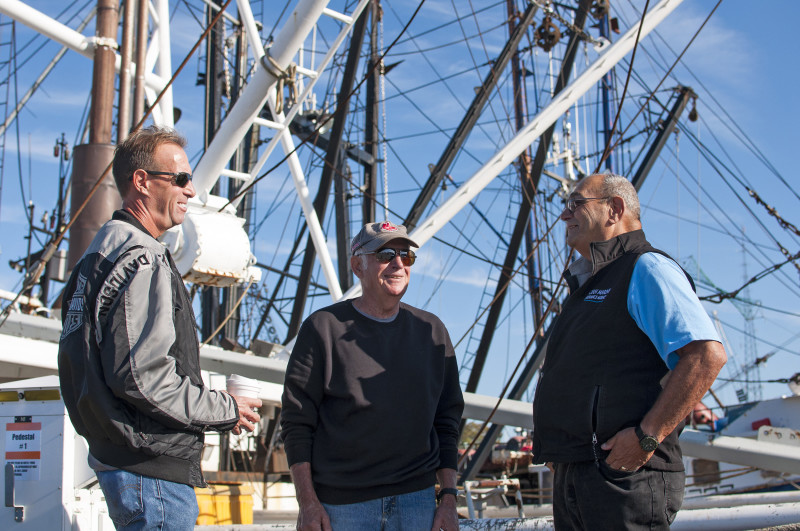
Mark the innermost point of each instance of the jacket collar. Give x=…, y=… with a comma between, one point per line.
x=602, y=254
x=124, y=215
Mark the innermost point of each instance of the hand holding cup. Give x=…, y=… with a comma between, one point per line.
x=245, y=391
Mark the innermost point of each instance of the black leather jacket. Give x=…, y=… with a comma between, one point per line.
x=129, y=361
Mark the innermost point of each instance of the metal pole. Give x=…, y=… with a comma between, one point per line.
x=523, y=218
x=607, y=89
x=142, y=26
x=371, y=112
x=666, y=129
x=64, y=35
x=524, y=164
x=210, y=300
x=328, y=173
x=164, y=63
x=469, y=120
x=102, y=108
x=254, y=96
x=124, y=112
x=39, y=80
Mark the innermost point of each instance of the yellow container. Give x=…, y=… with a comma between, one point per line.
x=225, y=504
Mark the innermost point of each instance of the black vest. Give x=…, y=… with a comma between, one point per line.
x=601, y=373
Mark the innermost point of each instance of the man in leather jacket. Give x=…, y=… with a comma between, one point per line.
x=128, y=357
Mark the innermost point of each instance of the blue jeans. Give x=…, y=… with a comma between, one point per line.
x=141, y=503
x=406, y=512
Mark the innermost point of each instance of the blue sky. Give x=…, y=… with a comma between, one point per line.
x=745, y=58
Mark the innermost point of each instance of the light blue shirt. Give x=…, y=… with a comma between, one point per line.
x=664, y=306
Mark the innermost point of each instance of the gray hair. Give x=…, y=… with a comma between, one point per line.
x=616, y=185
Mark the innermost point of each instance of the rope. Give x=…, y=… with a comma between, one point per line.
x=322, y=124
x=285, y=77
x=51, y=247
x=793, y=379
x=230, y=314
x=608, y=149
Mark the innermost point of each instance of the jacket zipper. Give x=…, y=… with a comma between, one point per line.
x=595, y=407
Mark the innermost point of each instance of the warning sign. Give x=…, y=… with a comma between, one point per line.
x=24, y=449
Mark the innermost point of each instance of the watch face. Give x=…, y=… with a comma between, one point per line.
x=648, y=443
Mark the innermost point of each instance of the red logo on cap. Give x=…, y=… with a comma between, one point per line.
x=388, y=226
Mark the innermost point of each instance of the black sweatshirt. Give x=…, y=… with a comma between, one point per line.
x=373, y=406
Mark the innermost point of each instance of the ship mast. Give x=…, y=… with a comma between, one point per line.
x=92, y=159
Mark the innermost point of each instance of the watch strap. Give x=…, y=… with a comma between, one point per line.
x=446, y=490
x=648, y=442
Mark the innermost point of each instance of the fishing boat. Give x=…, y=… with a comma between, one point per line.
x=469, y=122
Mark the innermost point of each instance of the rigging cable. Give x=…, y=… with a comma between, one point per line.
x=739, y=133
x=671, y=68
x=456, y=20
x=707, y=154
x=511, y=276
x=404, y=93
x=51, y=247
x=26, y=203
x=349, y=179
x=502, y=394
x=705, y=150
x=607, y=151
x=724, y=227
x=719, y=297
x=321, y=124
x=502, y=136
x=753, y=148
x=773, y=212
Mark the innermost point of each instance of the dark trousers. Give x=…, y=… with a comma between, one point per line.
x=593, y=496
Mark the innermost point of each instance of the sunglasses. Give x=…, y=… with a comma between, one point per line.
x=574, y=202
x=177, y=179
x=384, y=256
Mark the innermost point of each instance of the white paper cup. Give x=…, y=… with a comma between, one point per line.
x=241, y=386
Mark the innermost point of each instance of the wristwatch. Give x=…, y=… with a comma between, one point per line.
x=444, y=491
x=647, y=442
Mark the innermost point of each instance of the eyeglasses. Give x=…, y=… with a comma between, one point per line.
x=384, y=256
x=177, y=179
x=575, y=202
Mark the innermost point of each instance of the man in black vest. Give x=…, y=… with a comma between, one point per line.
x=605, y=415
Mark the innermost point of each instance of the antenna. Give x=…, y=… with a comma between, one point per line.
x=753, y=374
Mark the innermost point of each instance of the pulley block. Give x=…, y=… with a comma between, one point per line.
x=547, y=34
x=600, y=8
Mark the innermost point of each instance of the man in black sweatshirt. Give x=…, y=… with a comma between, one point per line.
x=372, y=403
